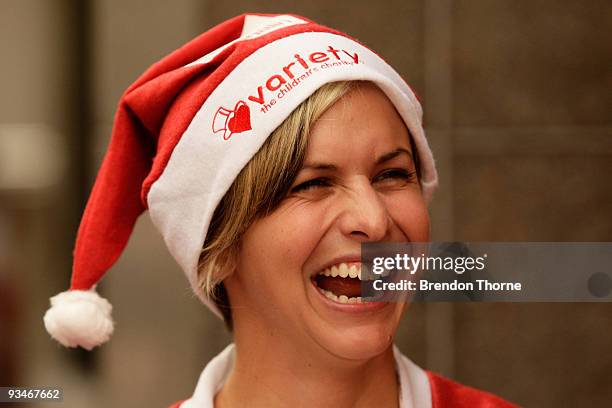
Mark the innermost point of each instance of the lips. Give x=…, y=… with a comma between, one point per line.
x=342, y=283
x=339, y=286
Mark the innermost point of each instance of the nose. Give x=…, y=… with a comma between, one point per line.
x=364, y=215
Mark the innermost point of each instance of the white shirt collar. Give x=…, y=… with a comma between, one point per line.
x=415, y=391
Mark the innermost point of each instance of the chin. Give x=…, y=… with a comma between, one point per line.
x=360, y=338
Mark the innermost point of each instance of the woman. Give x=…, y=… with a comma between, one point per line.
x=279, y=146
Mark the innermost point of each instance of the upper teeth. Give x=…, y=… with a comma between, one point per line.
x=343, y=270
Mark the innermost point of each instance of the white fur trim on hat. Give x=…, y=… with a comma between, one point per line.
x=79, y=318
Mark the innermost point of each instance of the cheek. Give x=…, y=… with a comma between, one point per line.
x=409, y=212
x=283, y=240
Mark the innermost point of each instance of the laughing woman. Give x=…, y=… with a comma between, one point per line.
x=267, y=150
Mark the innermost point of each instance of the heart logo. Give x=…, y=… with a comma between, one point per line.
x=241, y=121
x=232, y=121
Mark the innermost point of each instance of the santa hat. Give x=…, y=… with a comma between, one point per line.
x=185, y=129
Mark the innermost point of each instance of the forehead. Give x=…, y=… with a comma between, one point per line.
x=362, y=123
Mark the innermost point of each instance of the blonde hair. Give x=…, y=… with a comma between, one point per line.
x=258, y=189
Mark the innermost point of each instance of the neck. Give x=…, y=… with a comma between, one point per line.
x=277, y=373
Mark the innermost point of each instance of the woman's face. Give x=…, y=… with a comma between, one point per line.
x=358, y=184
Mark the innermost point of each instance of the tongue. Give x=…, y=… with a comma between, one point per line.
x=349, y=287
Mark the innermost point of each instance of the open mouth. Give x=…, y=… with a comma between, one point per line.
x=340, y=283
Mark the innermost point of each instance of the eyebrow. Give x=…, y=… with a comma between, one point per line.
x=382, y=159
x=391, y=155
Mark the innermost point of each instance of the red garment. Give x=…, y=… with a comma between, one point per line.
x=449, y=394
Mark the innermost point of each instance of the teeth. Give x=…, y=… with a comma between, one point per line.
x=343, y=270
x=341, y=298
x=330, y=295
x=334, y=271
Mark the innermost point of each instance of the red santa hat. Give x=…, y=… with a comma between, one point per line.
x=185, y=129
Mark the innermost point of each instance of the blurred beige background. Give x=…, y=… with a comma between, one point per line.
x=518, y=101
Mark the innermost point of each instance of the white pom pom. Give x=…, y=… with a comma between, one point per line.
x=79, y=318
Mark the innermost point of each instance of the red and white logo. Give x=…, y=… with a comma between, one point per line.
x=232, y=121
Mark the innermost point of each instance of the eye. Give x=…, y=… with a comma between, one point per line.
x=312, y=184
x=396, y=174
